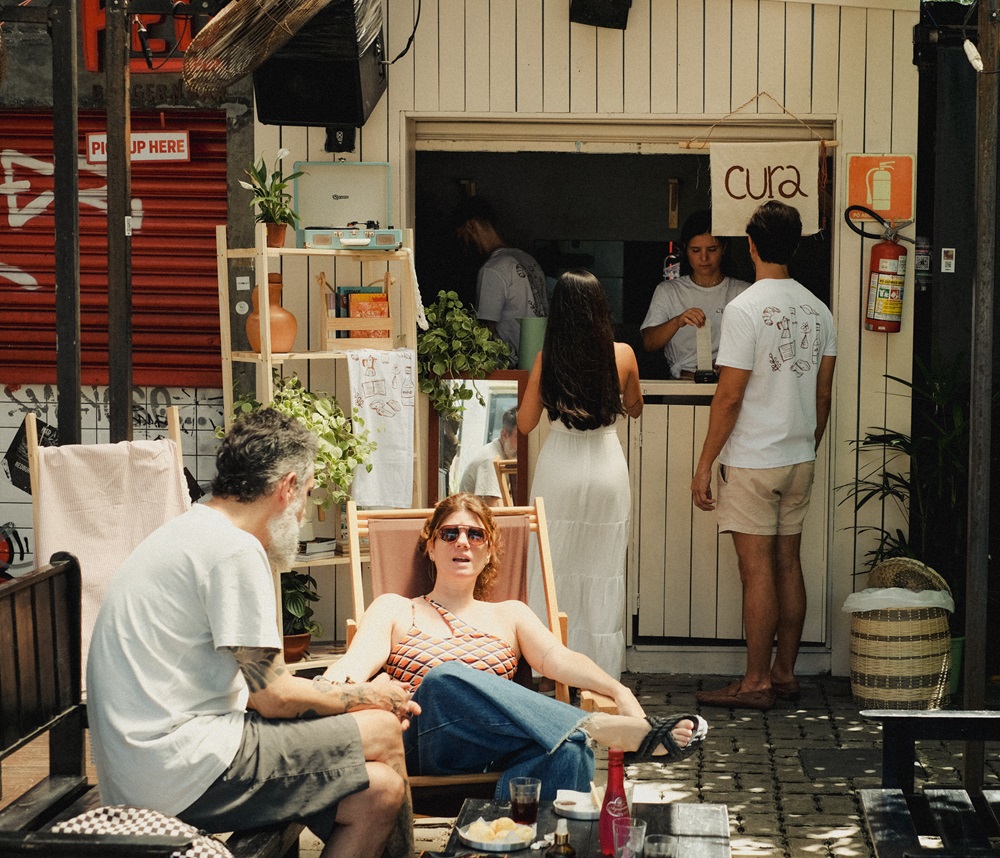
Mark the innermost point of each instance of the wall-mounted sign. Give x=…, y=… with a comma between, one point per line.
x=882, y=183
x=745, y=175
x=146, y=146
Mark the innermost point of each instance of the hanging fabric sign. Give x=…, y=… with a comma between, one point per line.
x=745, y=175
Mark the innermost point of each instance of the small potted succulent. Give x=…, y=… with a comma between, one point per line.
x=271, y=197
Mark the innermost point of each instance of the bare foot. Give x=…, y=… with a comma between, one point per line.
x=627, y=733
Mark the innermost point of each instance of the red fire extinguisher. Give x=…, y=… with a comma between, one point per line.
x=886, y=274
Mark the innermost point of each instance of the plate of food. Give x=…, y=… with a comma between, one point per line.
x=499, y=835
x=576, y=805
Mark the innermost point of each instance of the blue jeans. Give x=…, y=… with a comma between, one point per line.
x=472, y=721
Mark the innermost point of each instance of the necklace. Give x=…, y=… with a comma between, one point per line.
x=708, y=285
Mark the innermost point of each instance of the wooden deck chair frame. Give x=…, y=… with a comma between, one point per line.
x=358, y=528
x=504, y=469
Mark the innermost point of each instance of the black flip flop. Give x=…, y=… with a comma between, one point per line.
x=660, y=733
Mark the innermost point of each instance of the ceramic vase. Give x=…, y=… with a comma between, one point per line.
x=283, y=324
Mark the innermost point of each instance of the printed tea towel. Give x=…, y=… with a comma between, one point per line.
x=383, y=390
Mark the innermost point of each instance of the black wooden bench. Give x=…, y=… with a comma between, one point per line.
x=39, y=695
x=896, y=816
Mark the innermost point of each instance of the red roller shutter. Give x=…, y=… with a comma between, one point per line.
x=175, y=208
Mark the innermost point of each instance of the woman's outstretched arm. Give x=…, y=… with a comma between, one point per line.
x=372, y=644
x=547, y=655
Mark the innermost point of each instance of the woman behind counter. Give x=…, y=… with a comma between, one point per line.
x=584, y=381
x=458, y=653
x=680, y=306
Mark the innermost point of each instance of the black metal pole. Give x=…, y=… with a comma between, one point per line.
x=982, y=383
x=116, y=72
x=62, y=21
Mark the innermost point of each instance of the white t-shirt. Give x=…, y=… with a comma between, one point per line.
x=779, y=331
x=480, y=475
x=673, y=297
x=510, y=286
x=165, y=704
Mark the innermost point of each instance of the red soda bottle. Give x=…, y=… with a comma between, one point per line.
x=615, y=804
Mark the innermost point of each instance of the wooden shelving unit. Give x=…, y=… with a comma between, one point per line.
x=393, y=267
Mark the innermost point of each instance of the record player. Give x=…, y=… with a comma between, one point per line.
x=355, y=193
x=357, y=235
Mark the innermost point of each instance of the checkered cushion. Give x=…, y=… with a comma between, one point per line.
x=140, y=820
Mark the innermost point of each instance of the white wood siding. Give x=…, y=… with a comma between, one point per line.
x=694, y=61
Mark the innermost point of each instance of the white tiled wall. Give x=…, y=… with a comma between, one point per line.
x=200, y=409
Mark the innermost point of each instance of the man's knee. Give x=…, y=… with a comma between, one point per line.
x=381, y=734
x=379, y=803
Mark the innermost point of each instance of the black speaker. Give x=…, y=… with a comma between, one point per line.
x=600, y=13
x=317, y=78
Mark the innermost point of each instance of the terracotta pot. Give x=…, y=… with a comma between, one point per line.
x=296, y=646
x=276, y=234
x=283, y=324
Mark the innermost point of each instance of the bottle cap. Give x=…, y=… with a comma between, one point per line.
x=562, y=832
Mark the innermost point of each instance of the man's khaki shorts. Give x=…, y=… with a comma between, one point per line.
x=764, y=501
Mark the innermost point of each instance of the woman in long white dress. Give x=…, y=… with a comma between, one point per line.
x=584, y=381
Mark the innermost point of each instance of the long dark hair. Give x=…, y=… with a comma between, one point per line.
x=579, y=383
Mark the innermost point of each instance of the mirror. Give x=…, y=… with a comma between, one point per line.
x=454, y=443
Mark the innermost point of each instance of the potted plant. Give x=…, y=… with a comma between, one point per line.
x=298, y=592
x=270, y=195
x=344, y=443
x=455, y=344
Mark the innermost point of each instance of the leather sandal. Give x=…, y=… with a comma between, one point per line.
x=732, y=698
x=661, y=733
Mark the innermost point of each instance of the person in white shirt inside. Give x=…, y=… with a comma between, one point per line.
x=682, y=305
x=480, y=475
x=511, y=284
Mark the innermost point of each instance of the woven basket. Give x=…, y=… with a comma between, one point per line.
x=900, y=657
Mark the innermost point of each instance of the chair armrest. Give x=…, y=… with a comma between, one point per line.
x=594, y=701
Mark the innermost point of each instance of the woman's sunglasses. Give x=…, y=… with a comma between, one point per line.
x=475, y=535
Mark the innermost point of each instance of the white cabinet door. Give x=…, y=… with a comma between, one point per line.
x=682, y=572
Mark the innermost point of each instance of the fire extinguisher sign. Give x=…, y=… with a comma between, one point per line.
x=882, y=183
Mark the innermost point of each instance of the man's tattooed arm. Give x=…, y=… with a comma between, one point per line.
x=276, y=693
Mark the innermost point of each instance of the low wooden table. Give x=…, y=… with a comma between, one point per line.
x=702, y=829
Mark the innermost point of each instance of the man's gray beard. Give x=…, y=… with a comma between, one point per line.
x=284, y=533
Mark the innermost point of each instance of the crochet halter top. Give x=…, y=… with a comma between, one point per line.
x=418, y=652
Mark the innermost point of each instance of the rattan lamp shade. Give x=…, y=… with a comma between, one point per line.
x=900, y=657
x=240, y=38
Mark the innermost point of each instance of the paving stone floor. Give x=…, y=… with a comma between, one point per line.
x=790, y=776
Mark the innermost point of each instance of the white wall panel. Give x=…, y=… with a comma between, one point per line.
x=825, y=41
x=555, y=69
x=691, y=57
x=719, y=60
x=771, y=56
x=638, y=48
x=582, y=68
x=426, y=61
x=478, y=58
x=798, y=61
x=503, y=56
x=610, y=70
x=451, y=51
x=745, y=76
x=529, y=60
x=664, y=59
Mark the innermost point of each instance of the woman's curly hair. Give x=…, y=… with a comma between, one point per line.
x=474, y=504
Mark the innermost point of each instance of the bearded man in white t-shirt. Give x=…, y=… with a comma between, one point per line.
x=192, y=711
x=776, y=360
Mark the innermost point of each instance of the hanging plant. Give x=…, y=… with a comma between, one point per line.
x=344, y=443
x=455, y=345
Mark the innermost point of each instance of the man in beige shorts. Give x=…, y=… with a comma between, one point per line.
x=776, y=359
